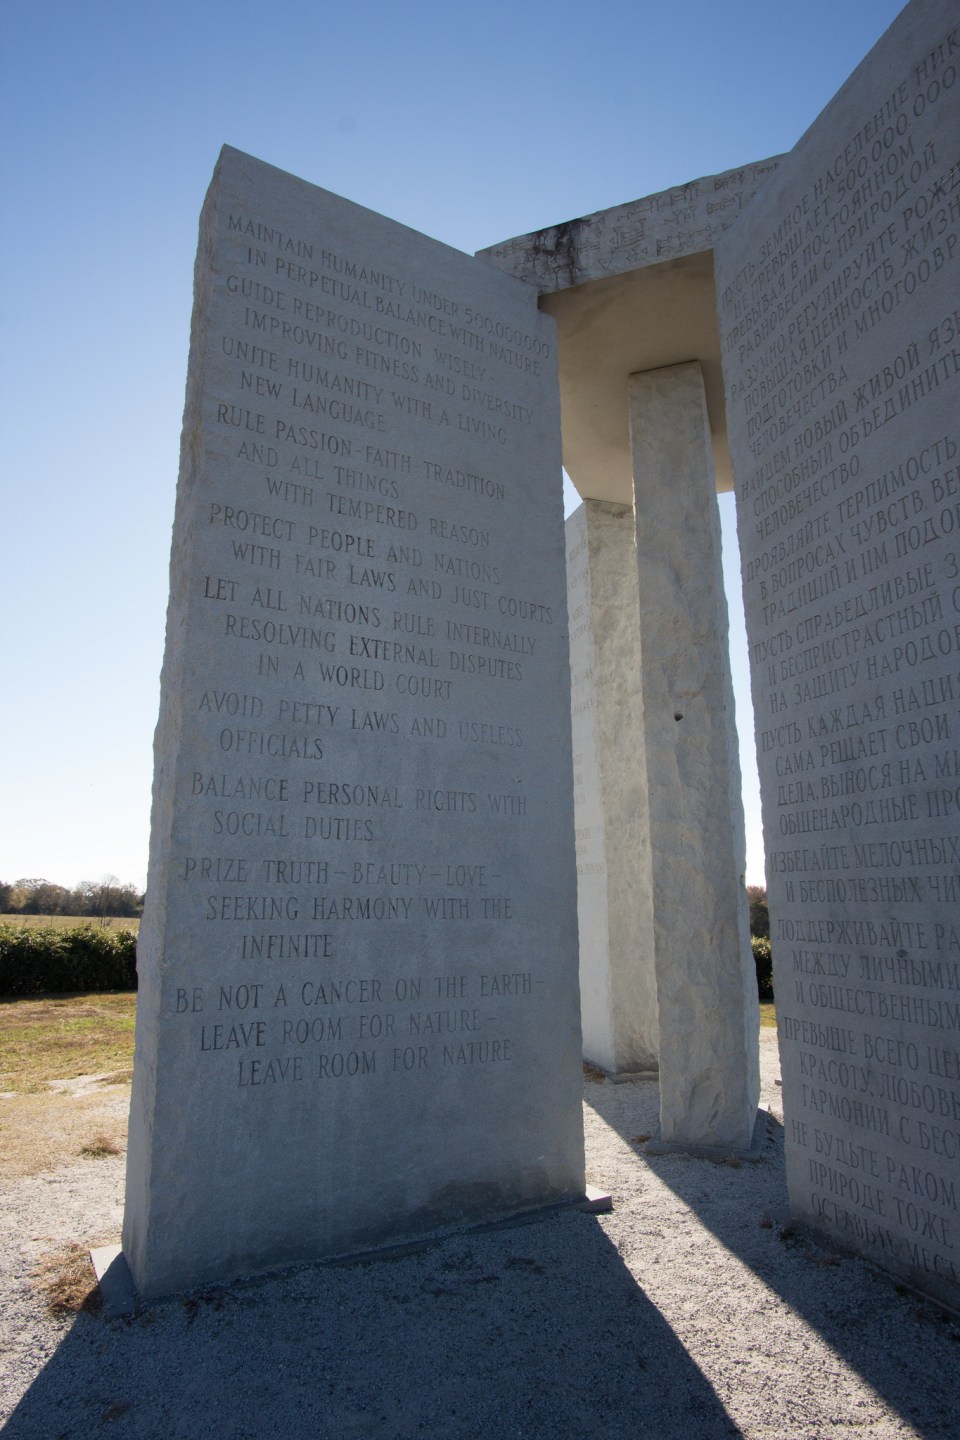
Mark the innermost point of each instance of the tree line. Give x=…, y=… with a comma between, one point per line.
x=29, y=896
x=93, y=898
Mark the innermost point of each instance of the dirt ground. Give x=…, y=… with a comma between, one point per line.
x=51, y=1129
x=689, y=1312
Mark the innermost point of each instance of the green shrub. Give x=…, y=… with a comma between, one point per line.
x=55, y=960
x=759, y=914
x=763, y=960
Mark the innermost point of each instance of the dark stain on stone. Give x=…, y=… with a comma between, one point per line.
x=559, y=247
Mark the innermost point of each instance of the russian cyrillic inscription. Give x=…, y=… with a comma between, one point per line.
x=838, y=298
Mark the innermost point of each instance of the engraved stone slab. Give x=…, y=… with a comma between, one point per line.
x=358, y=997
x=838, y=299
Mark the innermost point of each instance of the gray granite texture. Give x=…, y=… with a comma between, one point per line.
x=706, y=981
x=684, y=220
x=838, y=294
x=358, y=998
x=618, y=987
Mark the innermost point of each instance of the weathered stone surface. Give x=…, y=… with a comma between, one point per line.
x=682, y=221
x=618, y=991
x=838, y=294
x=706, y=985
x=632, y=292
x=632, y=289
x=358, y=1002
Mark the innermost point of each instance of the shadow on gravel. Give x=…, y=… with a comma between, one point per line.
x=534, y=1330
x=907, y=1349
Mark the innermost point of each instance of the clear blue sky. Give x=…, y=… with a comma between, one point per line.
x=470, y=123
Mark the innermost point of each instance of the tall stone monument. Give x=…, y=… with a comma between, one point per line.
x=838, y=293
x=358, y=1012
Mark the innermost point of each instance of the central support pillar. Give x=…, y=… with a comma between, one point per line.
x=618, y=990
x=706, y=985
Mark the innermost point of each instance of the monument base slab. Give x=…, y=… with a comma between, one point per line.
x=721, y=1153
x=117, y=1290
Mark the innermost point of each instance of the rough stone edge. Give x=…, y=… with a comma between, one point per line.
x=555, y=257
x=751, y=1156
x=117, y=1289
x=596, y=1201
x=120, y=1295
x=623, y=1077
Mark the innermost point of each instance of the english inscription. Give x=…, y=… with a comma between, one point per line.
x=372, y=838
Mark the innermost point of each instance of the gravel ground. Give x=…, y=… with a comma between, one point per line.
x=682, y=1315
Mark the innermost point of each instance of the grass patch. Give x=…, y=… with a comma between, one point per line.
x=56, y=1038
x=48, y=1131
x=68, y=922
x=100, y=1145
x=66, y=1282
x=768, y=1015
x=60, y=1037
